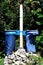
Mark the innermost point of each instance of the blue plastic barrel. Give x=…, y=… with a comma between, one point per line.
x=9, y=41
x=30, y=40
x=30, y=43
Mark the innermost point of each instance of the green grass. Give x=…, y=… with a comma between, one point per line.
x=1, y=61
x=41, y=61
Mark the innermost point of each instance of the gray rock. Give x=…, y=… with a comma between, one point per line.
x=17, y=63
x=18, y=57
x=13, y=64
x=9, y=61
x=5, y=60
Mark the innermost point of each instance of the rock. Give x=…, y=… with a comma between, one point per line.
x=5, y=60
x=20, y=59
x=9, y=61
x=27, y=54
x=23, y=63
x=9, y=57
x=17, y=63
x=12, y=56
x=6, y=64
x=13, y=60
x=16, y=58
x=28, y=60
x=13, y=64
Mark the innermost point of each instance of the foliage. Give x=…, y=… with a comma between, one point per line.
x=33, y=18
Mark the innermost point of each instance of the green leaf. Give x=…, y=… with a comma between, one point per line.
x=38, y=23
x=39, y=15
x=38, y=38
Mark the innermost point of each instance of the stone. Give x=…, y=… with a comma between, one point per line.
x=6, y=64
x=27, y=54
x=6, y=60
x=23, y=63
x=17, y=63
x=9, y=61
x=9, y=57
x=13, y=64
x=12, y=56
x=18, y=57
x=13, y=60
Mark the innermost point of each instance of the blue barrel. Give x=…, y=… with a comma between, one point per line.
x=30, y=42
x=9, y=41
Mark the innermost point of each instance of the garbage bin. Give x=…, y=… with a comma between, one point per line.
x=30, y=40
x=9, y=41
x=30, y=43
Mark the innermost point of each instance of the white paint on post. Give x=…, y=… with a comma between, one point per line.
x=21, y=25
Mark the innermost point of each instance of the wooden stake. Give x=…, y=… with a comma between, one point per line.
x=21, y=25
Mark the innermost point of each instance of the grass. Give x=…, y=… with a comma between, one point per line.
x=1, y=61
x=41, y=61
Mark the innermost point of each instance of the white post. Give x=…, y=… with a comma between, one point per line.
x=21, y=25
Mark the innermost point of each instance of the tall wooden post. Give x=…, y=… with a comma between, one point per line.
x=21, y=25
